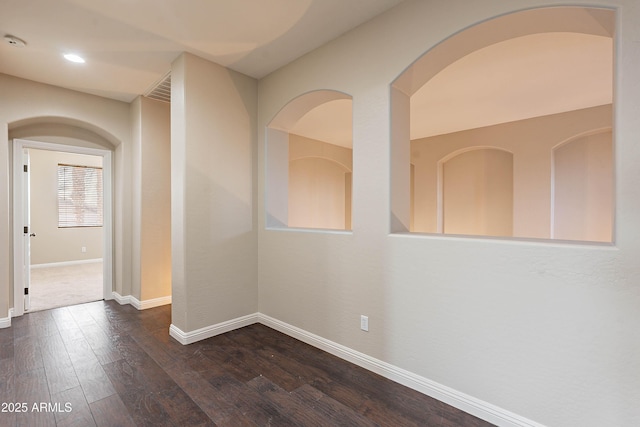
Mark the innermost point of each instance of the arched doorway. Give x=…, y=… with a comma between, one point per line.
x=58, y=135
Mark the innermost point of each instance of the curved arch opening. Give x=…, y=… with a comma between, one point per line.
x=522, y=83
x=298, y=107
x=309, y=163
x=63, y=130
x=55, y=143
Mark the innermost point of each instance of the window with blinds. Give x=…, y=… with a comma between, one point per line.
x=79, y=196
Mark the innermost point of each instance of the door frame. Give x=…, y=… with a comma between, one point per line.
x=18, y=233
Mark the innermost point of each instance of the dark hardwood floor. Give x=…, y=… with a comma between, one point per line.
x=104, y=364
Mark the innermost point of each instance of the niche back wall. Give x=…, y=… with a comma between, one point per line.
x=52, y=244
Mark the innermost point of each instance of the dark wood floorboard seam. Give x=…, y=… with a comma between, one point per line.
x=116, y=366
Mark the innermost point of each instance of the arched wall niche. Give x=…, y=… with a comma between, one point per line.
x=582, y=193
x=532, y=159
x=407, y=165
x=308, y=180
x=475, y=187
x=346, y=167
x=319, y=193
x=458, y=152
x=580, y=135
x=295, y=109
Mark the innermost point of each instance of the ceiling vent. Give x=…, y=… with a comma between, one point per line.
x=161, y=91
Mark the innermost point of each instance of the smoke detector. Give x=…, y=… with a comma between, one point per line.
x=14, y=41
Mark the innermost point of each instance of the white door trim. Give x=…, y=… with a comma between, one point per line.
x=18, y=241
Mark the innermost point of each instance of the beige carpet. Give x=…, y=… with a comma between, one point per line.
x=61, y=286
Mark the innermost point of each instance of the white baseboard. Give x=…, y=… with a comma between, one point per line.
x=457, y=399
x=66, y=263
x=150, y=303
x=185, y=338
x=120, y=299
x=141, y=305
x=5, y=322
x=462, y=401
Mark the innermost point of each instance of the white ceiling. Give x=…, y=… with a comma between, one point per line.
x=130, y=44
x=520, y=78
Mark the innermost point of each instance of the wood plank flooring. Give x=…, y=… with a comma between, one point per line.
x=102, y=364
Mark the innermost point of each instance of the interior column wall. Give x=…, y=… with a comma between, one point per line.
x=277, y=194
x=214, y=241
x=152, y=198
x=401, y=148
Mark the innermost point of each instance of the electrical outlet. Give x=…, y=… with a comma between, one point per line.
x=84, y=249
x=364, y=323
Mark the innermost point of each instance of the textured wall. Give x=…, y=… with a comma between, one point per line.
x=214, y=239
x=547, y=331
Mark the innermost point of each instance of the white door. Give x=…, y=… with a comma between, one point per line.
x=28, y=233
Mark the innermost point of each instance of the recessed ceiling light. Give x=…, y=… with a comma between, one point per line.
x=74, y=58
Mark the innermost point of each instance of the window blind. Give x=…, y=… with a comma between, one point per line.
x=79, y=196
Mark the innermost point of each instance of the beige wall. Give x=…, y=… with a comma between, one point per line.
x=214, y=238
x=547, y=331
x=53, y=244
x=583, y=189
x=477, y=193
x=34, y=110
x=151, y=121
x=544, y=330
x=532, y=143
x=319, y=184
